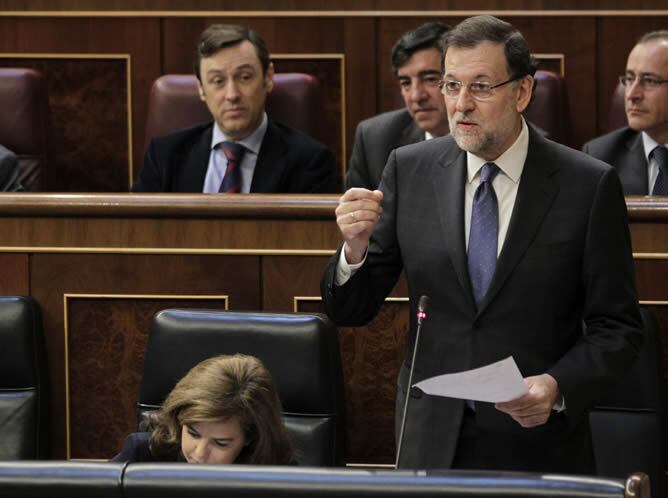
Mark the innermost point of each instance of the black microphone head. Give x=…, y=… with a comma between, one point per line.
x=423, y=304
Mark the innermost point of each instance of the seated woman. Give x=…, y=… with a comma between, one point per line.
x=225, y=410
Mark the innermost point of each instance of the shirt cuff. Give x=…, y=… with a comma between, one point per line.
x=560, y=405
x=345, y=270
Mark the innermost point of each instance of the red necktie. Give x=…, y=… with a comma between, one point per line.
x=234, y=152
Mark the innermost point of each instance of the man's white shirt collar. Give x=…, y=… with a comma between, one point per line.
x=511, y=162
x=252, y=142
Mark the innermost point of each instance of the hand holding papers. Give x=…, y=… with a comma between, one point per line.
x=497, y=382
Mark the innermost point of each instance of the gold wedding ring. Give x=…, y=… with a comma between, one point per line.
x=352, y=215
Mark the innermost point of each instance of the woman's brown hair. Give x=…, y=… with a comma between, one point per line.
x=221, y=388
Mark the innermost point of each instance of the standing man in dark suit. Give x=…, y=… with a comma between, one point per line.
x=416, y=63
x=242, y=150
x=524, y=248
x=633, y=150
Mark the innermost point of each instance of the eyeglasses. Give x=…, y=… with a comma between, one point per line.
x=646, y=82
x=479, y=90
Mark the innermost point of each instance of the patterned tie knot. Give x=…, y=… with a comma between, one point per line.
x=233, y=151
x=488, y=172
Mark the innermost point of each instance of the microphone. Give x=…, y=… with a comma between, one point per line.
x=423, y=304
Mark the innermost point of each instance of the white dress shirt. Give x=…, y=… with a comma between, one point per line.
x=218, y=162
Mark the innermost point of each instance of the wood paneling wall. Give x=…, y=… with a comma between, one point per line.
x=319, y=5
x=89, y=153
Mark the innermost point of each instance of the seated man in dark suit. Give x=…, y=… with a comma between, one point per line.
x=242, y=150
x=416, y=62
x=638, y=151
x=9, y=171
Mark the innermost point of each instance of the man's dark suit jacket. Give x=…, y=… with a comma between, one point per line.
x=289, y=161
x=566, y=261
x=375, y=138
x=623, y=149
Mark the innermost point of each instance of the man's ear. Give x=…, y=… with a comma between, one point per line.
x=269, y=77
x=524, y=92
x=200, y=90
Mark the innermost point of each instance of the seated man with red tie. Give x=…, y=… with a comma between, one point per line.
x=242, y=150
x=638, y=151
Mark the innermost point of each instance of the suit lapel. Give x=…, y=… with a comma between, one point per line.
x=534, y=197
x=632, y=167
x=195, y=163
x=449, y=174
x=270, y=162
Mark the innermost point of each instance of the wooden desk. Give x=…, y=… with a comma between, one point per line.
x=101, y=265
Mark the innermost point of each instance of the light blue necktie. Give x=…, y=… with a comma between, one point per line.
x=660, y=155
x=484, y=233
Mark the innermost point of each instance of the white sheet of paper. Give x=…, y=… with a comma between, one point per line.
x=500, y=381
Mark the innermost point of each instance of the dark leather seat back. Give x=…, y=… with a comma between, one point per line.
x=617, y=114
x=549, y=106
x=24, y=122
x=169, y=480
x=23, y=392
x=628, y=422
x=301, y=352
x=175, y=104
x=60, y=479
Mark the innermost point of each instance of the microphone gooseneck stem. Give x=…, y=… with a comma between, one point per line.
x=421, y=315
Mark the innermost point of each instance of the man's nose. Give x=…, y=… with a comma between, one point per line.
x=232, y=90
x=465, y=101
x=417, y=91
x=634, y=90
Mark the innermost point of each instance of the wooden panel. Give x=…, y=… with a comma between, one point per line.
x=88, y=122
x=106, y=341
x=287, y=277
x=651, y=288
x=15, y=274
x=55, y=275
x=88, y=136
x=361, y=78
x=319, y=5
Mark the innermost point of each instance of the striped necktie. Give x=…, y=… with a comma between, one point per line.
x=234, y=152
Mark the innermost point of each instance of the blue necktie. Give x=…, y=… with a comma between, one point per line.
x=484, y=233
x=231, y=183
x=660, y=155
